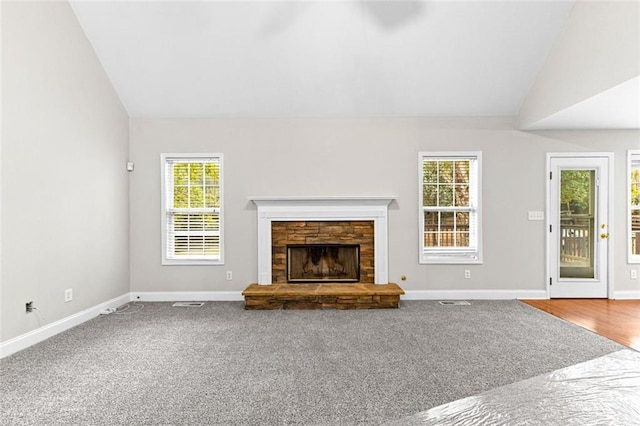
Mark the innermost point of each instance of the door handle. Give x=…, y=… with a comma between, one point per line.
x=603, y=235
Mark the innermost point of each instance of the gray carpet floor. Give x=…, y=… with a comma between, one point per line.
x=219, y=364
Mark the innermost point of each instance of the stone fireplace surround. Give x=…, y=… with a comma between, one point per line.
x=378, y=293
x=289, y=234
x=329, y=209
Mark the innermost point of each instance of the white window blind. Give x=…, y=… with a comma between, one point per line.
x=634, y=206
x=192, y=204
x=449, y=207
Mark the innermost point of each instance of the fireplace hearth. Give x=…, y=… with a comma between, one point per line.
x=336, y=263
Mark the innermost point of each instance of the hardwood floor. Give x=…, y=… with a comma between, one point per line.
x=618, y=320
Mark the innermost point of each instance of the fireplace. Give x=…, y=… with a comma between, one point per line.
x=327, y=235
x=322, y=220
x=336, y=263
x=322, y=238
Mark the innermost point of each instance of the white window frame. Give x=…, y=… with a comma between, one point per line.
x=441, y=255
x=633, y=158
x=166, y=186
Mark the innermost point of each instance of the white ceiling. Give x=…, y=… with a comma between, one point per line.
x=322, y=58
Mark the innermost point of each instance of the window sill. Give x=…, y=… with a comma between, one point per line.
x=450, y=260
x=184, y=262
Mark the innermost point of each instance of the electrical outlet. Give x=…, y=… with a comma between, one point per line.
x=467, y=273
x=229, y=275
x=68, y=295
x=634, y=274
x=29, y=306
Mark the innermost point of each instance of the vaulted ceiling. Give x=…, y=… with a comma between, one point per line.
x=325, y=58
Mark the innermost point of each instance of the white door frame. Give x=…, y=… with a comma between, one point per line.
x=609, y=157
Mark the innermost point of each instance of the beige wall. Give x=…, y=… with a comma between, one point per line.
x=368, y=156
x=64, y=183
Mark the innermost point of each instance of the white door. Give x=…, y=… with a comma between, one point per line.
x=578, y=225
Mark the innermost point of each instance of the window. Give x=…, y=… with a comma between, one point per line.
x=192, y=209
x=449, y=211
x=633, y=170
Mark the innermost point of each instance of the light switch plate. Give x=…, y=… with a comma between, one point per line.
x=536, y=215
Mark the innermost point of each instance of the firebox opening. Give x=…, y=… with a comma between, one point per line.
x=323, y=262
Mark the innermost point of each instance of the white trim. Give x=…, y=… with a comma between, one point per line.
x=444, y=256
x=187, y=296
x=323, y=209
x=473, y=294
x=38, y=335
x=329, y=200
x=163, y=208
x=450, y=259
x=627, y=295
x=631, y=259
x=610, y=207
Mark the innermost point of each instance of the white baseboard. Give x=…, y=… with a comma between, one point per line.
x=187, y=296
x=473, y=294
x=495, y=294
x=23, y=341
x=632, y=294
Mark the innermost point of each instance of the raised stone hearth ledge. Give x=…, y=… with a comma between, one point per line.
x=322, y=296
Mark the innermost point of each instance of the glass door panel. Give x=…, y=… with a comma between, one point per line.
x=577, y=224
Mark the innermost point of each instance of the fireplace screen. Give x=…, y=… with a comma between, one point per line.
x=323, y=262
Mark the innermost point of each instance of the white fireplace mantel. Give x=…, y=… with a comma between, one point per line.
x=280, y=209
